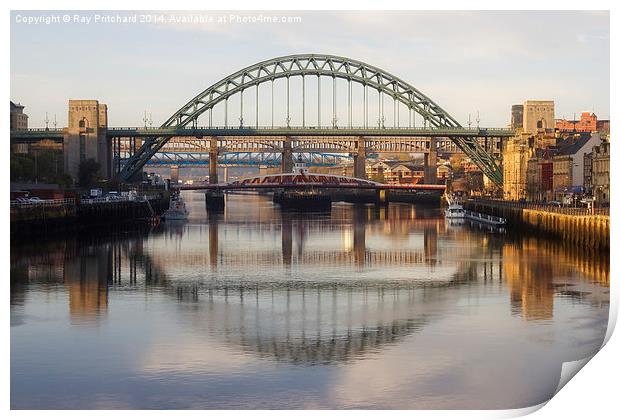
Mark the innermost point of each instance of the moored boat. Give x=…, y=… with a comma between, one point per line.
x=177, y=209
x=455, y=210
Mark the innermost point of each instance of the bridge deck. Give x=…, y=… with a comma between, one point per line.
x=38, y=133
x=232, y=186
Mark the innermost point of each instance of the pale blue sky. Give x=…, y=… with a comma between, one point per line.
x=465, y=61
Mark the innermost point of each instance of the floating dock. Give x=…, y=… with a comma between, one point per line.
x=484, y=218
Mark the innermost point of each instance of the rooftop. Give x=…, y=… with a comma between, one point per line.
x=572, y=144
x=17, y=105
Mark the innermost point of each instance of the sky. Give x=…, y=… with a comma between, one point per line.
x=470, y=63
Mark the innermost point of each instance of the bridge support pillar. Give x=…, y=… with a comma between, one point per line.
x=213, y=161
x=430, y=163
x=214, y=200
x=174, y=174
x=359, y=159
x=287, y=156
x=382, y=198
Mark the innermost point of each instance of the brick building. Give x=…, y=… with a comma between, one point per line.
x=540, y=175
x=600, y=173
x=19, y=120
x=587, y=123
x=602, y=126
x=404, y=173
x=518, y=151
x=569, y=164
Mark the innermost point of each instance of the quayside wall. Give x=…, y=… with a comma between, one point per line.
x=587, y=230
x=27, y=220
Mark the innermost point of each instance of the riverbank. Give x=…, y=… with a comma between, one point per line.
x=50, y=216
x=590, y=231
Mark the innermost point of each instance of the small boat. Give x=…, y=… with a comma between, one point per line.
x=176, y=210
x=455, y=210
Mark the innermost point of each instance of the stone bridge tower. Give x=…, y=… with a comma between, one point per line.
x=538, y=116
x=85, y=137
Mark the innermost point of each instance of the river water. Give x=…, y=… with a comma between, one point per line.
x=254, y=308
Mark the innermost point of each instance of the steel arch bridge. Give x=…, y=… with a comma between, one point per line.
x=319, y=65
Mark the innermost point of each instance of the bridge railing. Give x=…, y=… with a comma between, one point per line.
x=51, y=130
x=119, y=199
x=310, y=127
x=574, y=211
x=41, y=203
x=296, y=127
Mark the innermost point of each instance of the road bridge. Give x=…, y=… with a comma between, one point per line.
x=37, y=134
x=414, y=122
x=309, y=181
x=269, y=159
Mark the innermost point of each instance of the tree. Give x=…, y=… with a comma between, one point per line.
x=474, y=181
x=87, y=172
x=22, y=168
x=456, y=161
x=379, y=177
x=43, y=166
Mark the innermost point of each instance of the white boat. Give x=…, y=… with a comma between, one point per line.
x=455, y=210
x=177, y=209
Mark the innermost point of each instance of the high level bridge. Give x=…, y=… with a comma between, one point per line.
x=281, y=106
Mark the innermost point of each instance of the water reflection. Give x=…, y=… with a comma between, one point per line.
x=88, y=267
x=306, y=290
x=86, y=280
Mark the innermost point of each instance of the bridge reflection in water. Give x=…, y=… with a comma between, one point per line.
x=310, y=289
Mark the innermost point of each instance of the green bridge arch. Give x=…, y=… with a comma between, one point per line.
x=314, y=65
